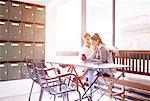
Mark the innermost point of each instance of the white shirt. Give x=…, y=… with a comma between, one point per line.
x=87, y=51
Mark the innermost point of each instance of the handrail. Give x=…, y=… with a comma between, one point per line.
x=136, y=51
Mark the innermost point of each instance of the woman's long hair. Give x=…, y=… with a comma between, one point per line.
x=96, y=37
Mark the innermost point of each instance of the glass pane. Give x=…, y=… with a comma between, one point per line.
x=133, y=24
x=99, y=19
x=68, y=26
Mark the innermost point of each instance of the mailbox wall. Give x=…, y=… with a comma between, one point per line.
x=22, y=35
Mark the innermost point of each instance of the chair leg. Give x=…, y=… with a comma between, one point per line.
x=31, y=91
x=67, y=97
x=54, y=97
x=63, y=96
x=79, y=96
x=41, y=94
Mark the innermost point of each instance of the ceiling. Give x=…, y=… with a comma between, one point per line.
x=93, y=3
x=44, y=2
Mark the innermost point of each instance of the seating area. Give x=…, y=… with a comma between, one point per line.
x=131, y=80
x=136, y=78
x=46, y=76
x=74, y=50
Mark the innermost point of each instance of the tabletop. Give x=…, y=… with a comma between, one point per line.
x=79, y=62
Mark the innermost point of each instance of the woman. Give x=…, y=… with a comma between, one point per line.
x=102, y=54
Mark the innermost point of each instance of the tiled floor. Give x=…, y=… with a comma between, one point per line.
x=46, y=97
x=18, y=90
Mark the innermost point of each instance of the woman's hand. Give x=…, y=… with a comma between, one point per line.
x=95, y=49
x=114, y=50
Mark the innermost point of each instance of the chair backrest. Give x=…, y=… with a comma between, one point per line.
x=39, y=67
x=31, y=70
x=37, y=71
x=34, y=66
x=42, y=76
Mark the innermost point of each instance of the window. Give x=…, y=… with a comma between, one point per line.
x=99, y=19
x=63, y=27
x=68, y=26
x=132, y=24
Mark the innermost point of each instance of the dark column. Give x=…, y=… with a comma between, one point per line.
x=113, y=22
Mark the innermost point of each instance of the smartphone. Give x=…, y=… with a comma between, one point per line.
x=83, y=57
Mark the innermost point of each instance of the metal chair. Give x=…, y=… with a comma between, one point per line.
x=58, y=85
x=33, y=75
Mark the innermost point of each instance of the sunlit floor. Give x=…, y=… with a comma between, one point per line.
x=18, y=90
x=47, y=97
